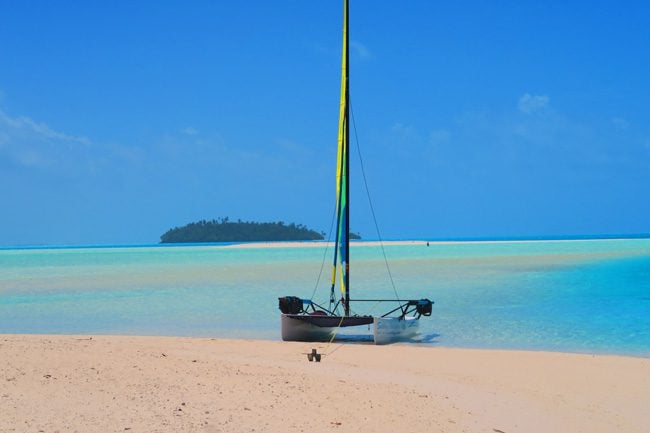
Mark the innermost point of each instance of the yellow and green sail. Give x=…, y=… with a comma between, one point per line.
x=342, y=175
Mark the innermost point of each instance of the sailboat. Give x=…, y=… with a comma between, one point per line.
x=305, y=320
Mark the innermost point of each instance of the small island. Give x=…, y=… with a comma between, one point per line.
x=225, y=230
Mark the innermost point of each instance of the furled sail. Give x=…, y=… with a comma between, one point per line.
x=342, y=174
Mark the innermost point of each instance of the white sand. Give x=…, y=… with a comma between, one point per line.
x=162, y=384
x=317, y=244
x=409, y=242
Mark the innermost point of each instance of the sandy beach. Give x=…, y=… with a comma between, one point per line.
x=166, y=384
x=317, y=244
x=306, y=244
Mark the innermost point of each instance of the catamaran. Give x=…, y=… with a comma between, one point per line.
x=303, y=319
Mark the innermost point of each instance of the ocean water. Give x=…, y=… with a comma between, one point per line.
x=590, y=296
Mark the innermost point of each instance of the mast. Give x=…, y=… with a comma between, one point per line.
x=342, y=248
x=346, y=145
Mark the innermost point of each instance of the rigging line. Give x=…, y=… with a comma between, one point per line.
x=335, y=349
x=371, y=309
x=372, y=208
x=322, y=265
x=329, y=344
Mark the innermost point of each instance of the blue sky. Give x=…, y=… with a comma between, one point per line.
x=120, y=120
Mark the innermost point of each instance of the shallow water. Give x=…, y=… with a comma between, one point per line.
x=580, y=296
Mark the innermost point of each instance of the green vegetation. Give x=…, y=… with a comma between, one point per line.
x=224, y=230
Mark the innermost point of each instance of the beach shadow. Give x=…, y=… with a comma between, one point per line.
x=368, y=339
x=429, y=338
x=355, y=338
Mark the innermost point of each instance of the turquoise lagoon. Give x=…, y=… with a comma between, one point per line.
x=590, y=296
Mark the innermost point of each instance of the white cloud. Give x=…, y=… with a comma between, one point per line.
x=39, y=129
x=30, y=144
x=530, y=103
x=360, y=49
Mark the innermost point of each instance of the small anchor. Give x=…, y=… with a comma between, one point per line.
x=314, y=356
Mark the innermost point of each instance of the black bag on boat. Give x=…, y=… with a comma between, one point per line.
x=290, y=305
x=424, y=307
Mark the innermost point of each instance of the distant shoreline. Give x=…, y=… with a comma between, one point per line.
x=307, y=244
x=295, y=244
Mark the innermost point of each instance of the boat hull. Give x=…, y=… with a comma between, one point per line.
x=299, y=330
x=388, y=330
